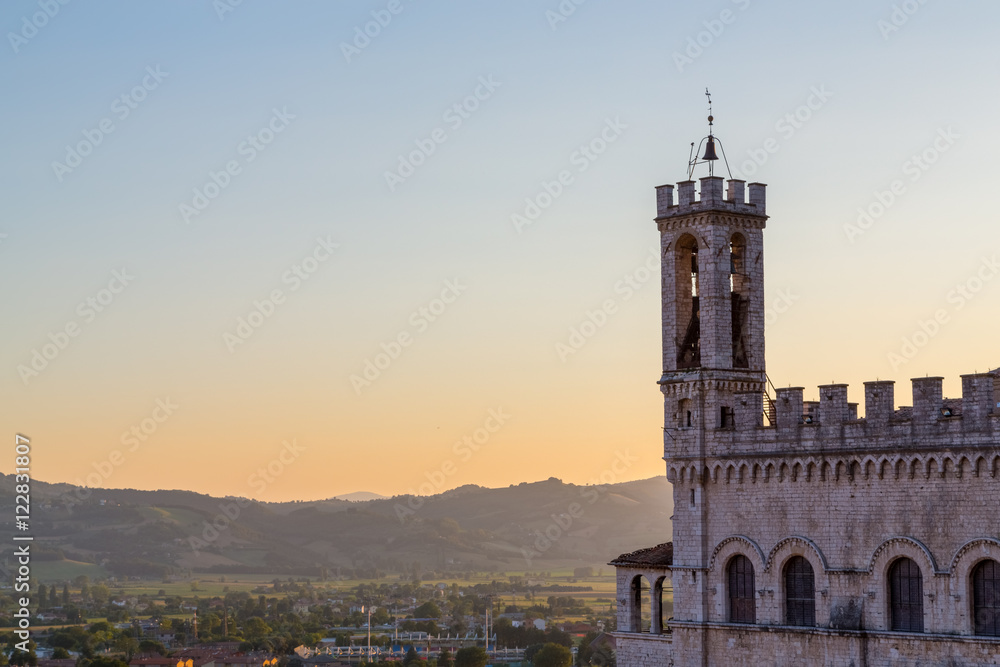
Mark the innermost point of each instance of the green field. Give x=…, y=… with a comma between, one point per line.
x=205, y=585
x=209, y=585
x=47, y=571
x=600, y=600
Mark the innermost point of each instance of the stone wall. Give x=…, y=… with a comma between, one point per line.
x=643, y=650
x=752, y=646
x=850, y=526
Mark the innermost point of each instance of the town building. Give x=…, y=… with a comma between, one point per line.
x=803, y=534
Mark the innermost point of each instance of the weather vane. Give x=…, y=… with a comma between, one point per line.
x=710, y=118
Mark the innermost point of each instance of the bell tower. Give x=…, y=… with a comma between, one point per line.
x=712, y=272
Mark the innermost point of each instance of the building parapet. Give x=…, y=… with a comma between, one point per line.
x=831, y=423
x=711, y=198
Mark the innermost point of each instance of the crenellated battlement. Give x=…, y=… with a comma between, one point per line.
x=980, y=399
x=711, y=198
x=832, y=423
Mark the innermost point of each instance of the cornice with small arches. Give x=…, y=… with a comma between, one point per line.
x=714, y=218
x=839, y=467
x=684, y=389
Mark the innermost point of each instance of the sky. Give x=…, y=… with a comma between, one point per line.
x=295, y=250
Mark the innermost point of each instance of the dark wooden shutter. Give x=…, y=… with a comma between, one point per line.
x=906, y=594
x=986, y=598
x=800, y=593
x=742, y=598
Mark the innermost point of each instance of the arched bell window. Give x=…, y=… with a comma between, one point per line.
x=739, y=295
x=688, y=315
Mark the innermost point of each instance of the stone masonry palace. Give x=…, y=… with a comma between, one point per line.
x=803, y=535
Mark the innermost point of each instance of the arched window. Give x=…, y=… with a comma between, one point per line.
x=906, y=596
x=640, y=605
x=688, y=317
x=738, y=285
x=742, y=600
x=800, y=593
x=660, y=614
x=986, y=598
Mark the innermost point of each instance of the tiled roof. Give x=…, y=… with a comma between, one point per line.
x=662, y=556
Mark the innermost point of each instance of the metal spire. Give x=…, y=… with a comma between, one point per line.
x=710, y=155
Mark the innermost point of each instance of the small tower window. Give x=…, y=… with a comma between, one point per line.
x=684, y=413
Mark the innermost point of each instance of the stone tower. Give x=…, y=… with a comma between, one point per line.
x=712, y=272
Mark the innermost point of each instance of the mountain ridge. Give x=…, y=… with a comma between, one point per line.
x=547, y=523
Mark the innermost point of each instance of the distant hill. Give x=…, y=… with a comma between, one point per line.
x=529, y=526
x=360, y=496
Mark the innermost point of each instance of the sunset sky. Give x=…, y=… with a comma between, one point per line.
x=170, y=169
